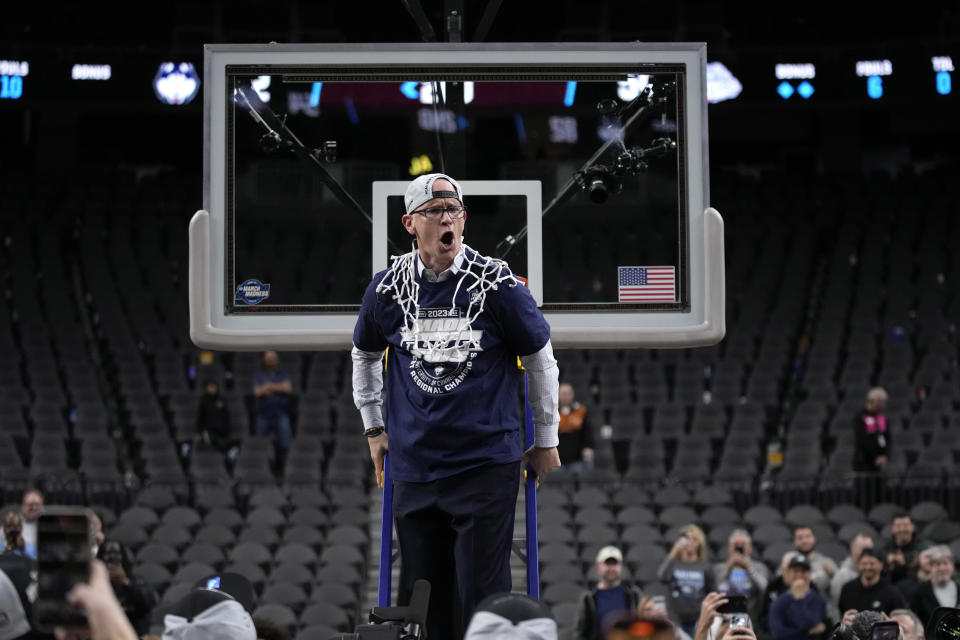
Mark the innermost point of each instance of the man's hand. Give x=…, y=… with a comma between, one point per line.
x=378, y=449
x=708, y=611
x=738, y=560
x=829, y=568
x=817, y=630
x=739, y=633
x=678, y=546
x=848, y=617
x=542, y=459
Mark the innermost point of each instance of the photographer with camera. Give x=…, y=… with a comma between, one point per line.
x=800, y=613
x=741, y=574
x=136, y=595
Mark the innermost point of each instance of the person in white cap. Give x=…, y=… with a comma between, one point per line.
x=455, y=323
x=612, y=596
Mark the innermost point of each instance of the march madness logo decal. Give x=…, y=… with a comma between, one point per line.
x=440, y=370
x=252, y=292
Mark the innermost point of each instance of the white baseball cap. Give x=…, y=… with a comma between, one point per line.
x=608, y=552
x=420, y=190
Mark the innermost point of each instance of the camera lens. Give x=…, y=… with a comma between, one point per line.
x=948, y=628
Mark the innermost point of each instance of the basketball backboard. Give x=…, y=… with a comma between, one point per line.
x=584, y=166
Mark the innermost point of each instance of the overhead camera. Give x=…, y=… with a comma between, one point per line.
x=270, y=141
x=600, y=182
x=634, y=161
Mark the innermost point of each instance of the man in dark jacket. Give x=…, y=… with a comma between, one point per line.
x=870, y=592
x=942, y=590
x=611, y=596
x=137, y=596
x=904, y=546
x=800, y=612
x=213, y=420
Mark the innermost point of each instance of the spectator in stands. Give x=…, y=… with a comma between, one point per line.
x=136, y=595
x=13, y=536
x=272, y=388
x=800, y=612
x=903, y=547
x=822, y=568
x=576, y=433
x=911, y=628
x=778, y=585
x=686, y=571
x=612, y=595
x=871, y=436
x=942, y=590
x=918, y=573
x=848, y=571
x=213, y=422
x=869, y=592
x=31, y=507
x=741, y=574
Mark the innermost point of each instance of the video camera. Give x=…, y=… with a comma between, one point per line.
x=944, y=624
x=396, y=623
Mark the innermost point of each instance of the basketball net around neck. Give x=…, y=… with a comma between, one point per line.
x=454, y=342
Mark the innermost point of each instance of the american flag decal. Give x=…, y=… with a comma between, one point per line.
x=646, y=284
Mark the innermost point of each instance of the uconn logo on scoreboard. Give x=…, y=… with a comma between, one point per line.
x=443, y=349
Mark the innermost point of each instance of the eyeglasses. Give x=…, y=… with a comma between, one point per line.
x=435, y=213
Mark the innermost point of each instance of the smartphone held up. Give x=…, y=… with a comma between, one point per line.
x=64, y=552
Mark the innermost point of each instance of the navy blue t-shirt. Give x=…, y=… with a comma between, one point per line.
x=451, y=416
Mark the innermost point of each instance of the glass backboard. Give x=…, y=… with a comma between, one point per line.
x=583, y=166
